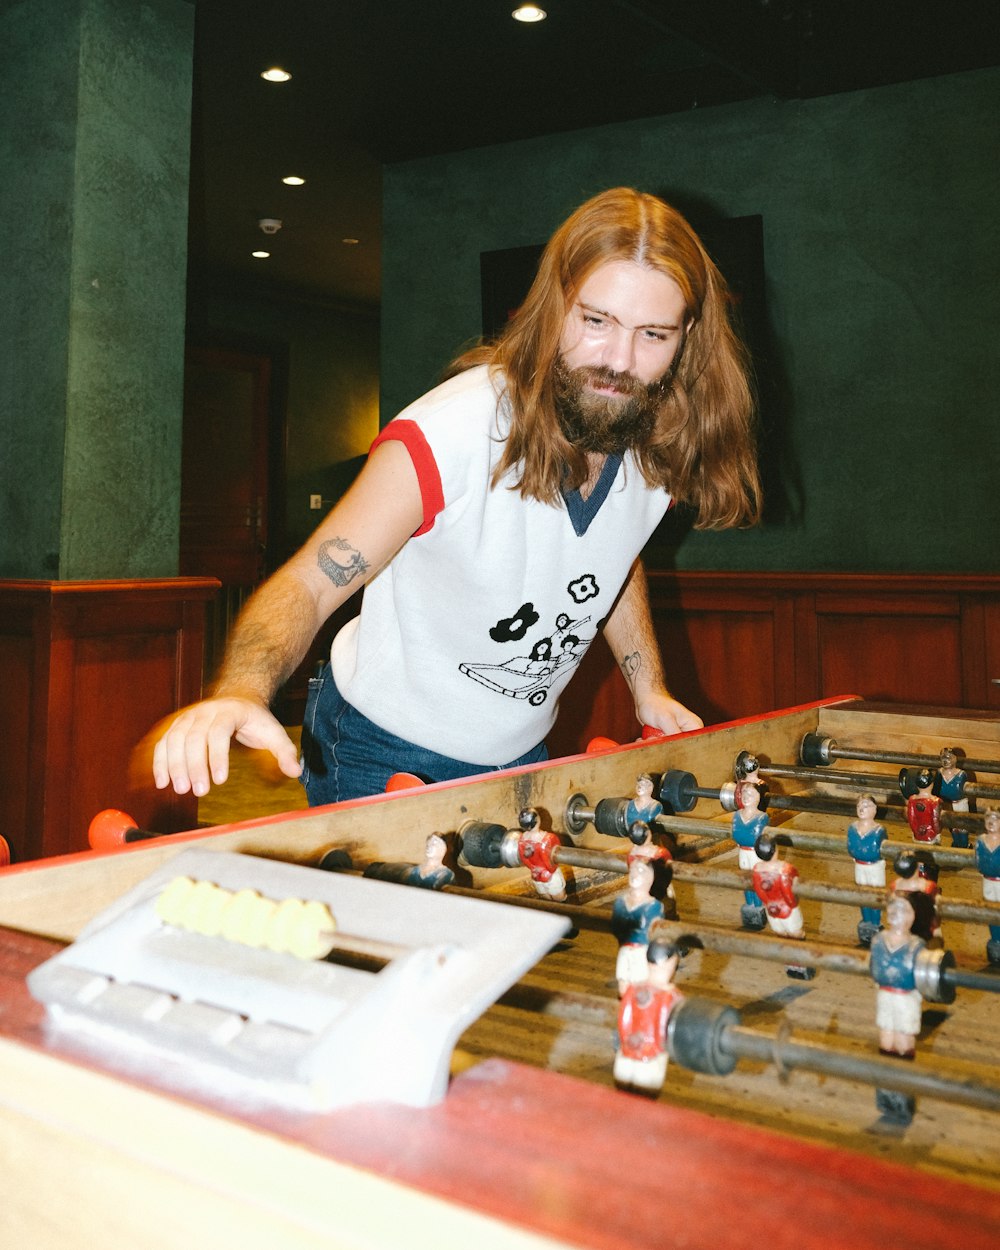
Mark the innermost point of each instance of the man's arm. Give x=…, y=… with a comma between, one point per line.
x=358, y=538
x=629, y=632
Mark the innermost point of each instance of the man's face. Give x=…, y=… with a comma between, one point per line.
x=626, y=319
x=619, y=339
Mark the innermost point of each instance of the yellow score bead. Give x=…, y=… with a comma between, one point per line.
x=314, y=936
x=170, y=904
x=303, y=929
x=284, y=924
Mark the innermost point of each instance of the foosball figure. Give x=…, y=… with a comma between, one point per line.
x=643, y=847
x=432, y=873
x=922, y=892
x=643, y=1015
x=747, y=773
x=633, y=912
x=643, y=807
x=749, y=822
x=899, y=1004
x=951, y=788
x=864, y=844
x=535, y=853
x=988, y=863
x=774, y=882
x=923, y=809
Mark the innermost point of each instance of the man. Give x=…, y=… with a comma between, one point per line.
x=498, y=525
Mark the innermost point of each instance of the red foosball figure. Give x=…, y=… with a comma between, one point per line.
x=535, y=853
x=643, y=1015
x=918, y=881
x=774, y=883
x=923, y=810
x=644, y=847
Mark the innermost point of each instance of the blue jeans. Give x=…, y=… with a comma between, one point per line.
x=346, y=756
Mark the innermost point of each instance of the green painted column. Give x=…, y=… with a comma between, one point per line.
x=94, y=148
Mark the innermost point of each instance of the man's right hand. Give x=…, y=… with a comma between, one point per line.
x=194, y=751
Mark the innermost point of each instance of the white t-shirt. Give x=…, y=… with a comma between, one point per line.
x=467, y=638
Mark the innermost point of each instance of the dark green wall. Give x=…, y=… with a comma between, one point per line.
x=881, y=214
x=94, y=143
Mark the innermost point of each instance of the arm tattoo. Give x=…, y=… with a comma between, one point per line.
x=341, y=572
x=630, y=665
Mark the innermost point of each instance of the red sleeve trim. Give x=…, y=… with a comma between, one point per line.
x=431, y=491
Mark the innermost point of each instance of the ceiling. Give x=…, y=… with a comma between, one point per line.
x=378, y=81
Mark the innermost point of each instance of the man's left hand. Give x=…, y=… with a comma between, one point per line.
x=664, y=713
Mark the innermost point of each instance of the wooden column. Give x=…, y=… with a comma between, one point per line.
x=86, y=668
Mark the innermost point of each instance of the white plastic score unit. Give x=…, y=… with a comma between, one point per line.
x=260, y=1025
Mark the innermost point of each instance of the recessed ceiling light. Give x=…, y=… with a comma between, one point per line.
x=350, y=242
x=529, y=13
x=260, y=255
x=276, y=74
x=293, y=180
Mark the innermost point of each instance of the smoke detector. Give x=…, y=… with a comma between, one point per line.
x=270, y=225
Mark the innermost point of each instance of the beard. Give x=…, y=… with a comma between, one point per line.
x=607, y=424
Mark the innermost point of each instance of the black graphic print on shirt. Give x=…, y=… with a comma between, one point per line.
x=530, y=676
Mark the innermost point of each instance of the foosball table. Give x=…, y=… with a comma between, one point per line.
x=143, y=1074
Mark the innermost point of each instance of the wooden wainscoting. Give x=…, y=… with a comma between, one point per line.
x=86, y=668
x=741, y=644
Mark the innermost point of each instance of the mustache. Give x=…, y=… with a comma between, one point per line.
x=626, y=383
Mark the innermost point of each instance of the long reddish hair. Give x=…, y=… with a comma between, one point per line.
x=703, y=448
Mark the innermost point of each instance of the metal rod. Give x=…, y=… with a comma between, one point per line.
x=988, y=982
x=812, y=840
x=830, y=805
x=824, y=955
x=801, y=772
x=833, y=844
x=744, y=1043
x=861, y=781
x=853, y=896
x=700, y=874
x=779, y=1049
x=837, y=752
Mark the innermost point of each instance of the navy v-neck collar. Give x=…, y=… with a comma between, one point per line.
x=582, y=511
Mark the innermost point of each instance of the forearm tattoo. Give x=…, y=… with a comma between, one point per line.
x=630, y=665
x=344, y=570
